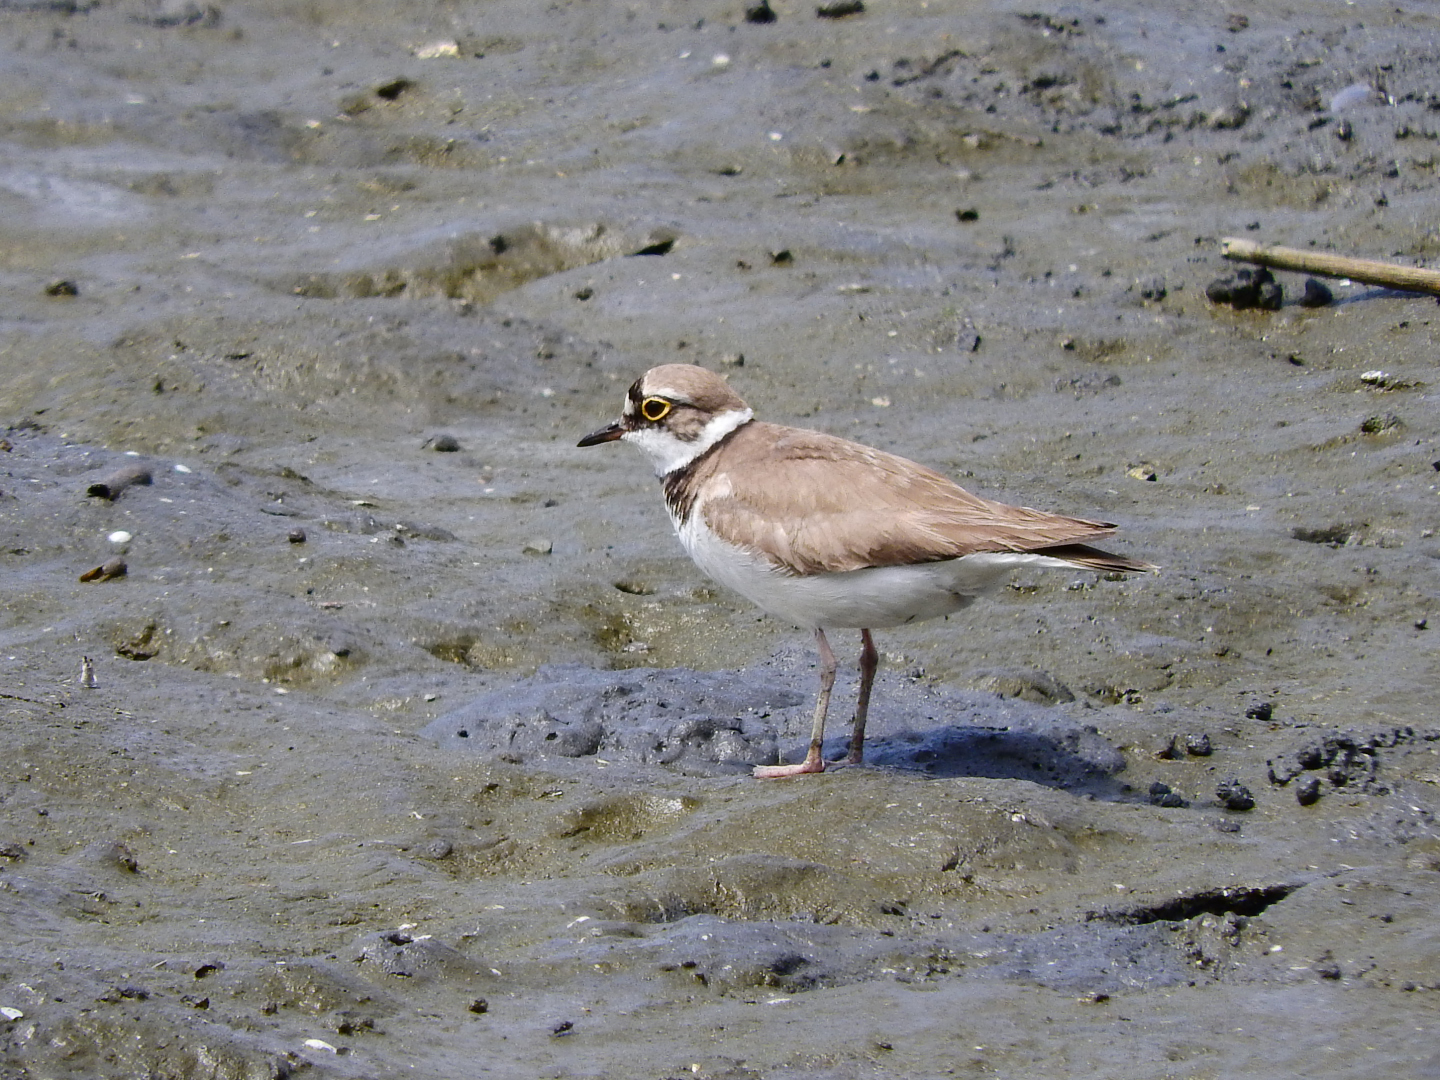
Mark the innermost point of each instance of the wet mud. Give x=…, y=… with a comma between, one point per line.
x=355, y=722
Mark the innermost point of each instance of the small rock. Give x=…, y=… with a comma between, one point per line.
x=110, y=568
x=62, y=287
x=1246, y=289
x=1317, y=294
x=479, y=1006
x=445, y=444
x=1261, y=710
x=1198, y=745
x=538, y=546
x=296, y=535
x=439, y=849
x=1307, y=792
x=1327, y=968
x=967, y=215
x=1234, y=795
x=392, y=89
x=840, y=9
x=1162, y=795
x=1378, y=425
x=760, y=13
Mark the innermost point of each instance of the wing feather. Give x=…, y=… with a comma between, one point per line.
x=816, y=503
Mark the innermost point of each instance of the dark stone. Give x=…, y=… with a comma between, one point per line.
x=1162, y=795
x=1261, y=710
x=1307, y=792
x=393, y=89
x=1246, y=289
x=1234, y=795
x=760, y=13
x=1317, y=294
x=1198, y=745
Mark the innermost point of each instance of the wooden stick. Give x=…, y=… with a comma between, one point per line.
x=1406, y=278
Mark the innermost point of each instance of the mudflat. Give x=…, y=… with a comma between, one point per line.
x=358, y=724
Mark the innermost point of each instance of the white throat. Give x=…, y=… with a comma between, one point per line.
x=667, y=453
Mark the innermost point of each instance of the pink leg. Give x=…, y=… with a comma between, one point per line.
x=869, y=661
x=813, y=762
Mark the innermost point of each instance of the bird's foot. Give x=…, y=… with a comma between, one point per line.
x=772, y=772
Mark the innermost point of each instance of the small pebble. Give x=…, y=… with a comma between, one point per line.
x=296, y=535
x=1246, y=289
x=445, y=444
x=760, y=13
x=119, y=536
x=479, y=1006
x=110, y=568
x=538, y=546
x=62, y=287
x=1307, y=792
x=1198, y=745
x=1317, y=294
x=1162, y=795
x=1261, y=710
x=1234, y=795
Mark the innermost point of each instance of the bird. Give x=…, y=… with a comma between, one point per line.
x=825, y=533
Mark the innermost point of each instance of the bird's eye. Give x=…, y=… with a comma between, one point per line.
x=654, y=408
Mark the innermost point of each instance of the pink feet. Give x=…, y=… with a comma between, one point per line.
x=812, y=764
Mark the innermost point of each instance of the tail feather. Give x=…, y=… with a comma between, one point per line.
x=1090, y=558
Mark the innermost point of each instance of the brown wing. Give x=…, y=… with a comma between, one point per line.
x=819, y=503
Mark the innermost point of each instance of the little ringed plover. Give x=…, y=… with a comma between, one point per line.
x=824, y=532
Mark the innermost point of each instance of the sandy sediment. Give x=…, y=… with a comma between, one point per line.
x=345, y=284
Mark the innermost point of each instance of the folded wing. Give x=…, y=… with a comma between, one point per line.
x=817, y=503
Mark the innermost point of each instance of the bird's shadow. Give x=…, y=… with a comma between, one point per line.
x=1077, y=760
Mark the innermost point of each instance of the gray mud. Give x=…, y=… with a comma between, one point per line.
x=349, y=280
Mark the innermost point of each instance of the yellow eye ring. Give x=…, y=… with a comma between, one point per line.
x=654, y=409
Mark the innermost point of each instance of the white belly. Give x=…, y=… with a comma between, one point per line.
x=872, y=598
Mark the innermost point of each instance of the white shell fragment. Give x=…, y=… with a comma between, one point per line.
x=119, y=536
x=437, y=50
